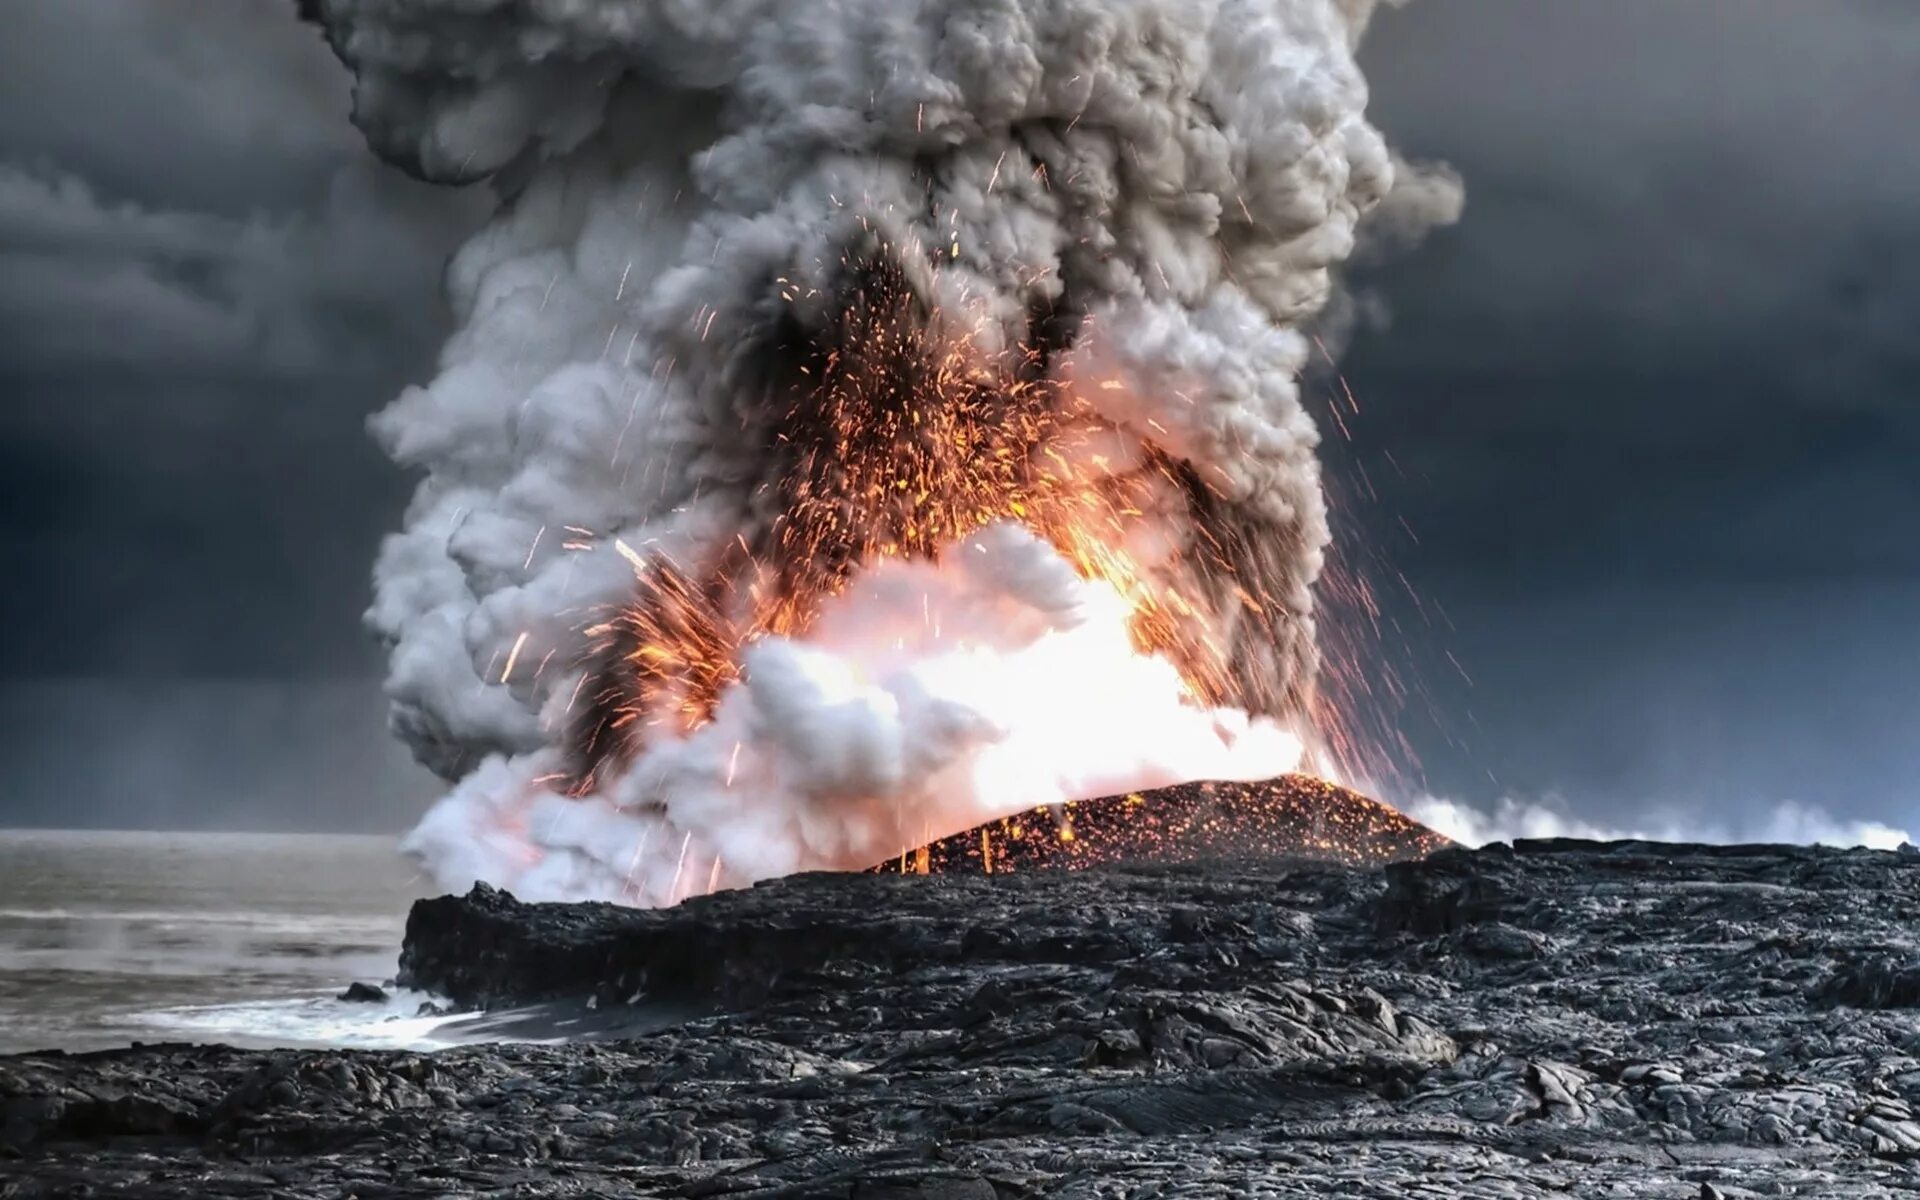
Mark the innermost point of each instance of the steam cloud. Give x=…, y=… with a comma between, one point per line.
x=1789, y=822
x=1131, y=208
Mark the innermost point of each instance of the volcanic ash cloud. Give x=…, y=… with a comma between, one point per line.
x=865, y=418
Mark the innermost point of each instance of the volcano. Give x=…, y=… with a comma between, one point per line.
x=1293, y=816
x=865, y=419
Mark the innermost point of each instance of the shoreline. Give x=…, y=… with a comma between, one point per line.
x=1626, y=1019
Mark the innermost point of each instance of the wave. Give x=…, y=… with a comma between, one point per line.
x=311, y=1021
x=291, y=922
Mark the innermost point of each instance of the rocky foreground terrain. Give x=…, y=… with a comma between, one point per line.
x=1559, y=1019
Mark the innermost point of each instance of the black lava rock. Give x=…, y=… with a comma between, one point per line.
x=1553, y=1019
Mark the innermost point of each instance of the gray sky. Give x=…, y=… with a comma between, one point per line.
x=1646, y=411
x=206, y=283
x=1654, y=399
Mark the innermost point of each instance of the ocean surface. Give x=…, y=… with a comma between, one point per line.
x=111, y=938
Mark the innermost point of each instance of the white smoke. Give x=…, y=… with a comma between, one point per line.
x=927, y=699
x=1789, y=822
x=678, y=178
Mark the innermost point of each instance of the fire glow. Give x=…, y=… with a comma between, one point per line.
x=863, y=422
x=965, y=608
x=1295, y=816
x=904, y=444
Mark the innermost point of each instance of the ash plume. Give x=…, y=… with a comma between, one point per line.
x=864, y=417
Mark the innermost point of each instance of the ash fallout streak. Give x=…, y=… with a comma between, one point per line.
x=865, y=419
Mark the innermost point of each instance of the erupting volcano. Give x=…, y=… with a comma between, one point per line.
x=901, y=441
x=866, y=420
x=1296, y=816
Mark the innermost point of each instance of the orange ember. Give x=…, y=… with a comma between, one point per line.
x=1295, y=816
x=902, y=438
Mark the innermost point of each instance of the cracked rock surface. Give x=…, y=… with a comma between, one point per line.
x=1557, y=1019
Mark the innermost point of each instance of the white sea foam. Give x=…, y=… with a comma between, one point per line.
x=319, y=1020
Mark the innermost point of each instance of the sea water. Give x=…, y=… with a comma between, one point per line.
x=107, y=938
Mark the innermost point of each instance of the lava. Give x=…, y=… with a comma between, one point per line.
x=1295, y=816
x=929, y=384
x=903, y=436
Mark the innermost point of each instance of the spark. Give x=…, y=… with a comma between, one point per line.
x=513, y=656
x=1186, y=823
x=1459, y=668
x=902, y=438
x=673, y=889
x=639, y=848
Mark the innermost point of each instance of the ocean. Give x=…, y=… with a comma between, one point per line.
x=108, y=938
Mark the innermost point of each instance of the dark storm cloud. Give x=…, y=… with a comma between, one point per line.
x=1678, y=315
x=206, y=283
x=180, y=192
x=222, y=106
x=92, y=287
x=1649, y=408
x=1663, y=177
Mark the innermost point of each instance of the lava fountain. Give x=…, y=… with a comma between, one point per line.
x=865, y=421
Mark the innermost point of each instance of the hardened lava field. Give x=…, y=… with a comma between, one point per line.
x=1294, y=816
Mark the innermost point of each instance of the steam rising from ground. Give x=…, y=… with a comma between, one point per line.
x=1124, y=212
x=1789, y=822
x=927, y=699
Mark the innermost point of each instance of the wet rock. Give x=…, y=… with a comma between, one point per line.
x=1548, y=1019
x=362, y=993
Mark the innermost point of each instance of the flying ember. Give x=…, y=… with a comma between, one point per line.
x=864, y=422
x=902, y=439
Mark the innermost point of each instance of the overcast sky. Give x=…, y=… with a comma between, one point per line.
x=1646, y=414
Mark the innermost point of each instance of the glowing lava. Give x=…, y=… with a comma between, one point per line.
x=903, y=439
x=918, y=388
x=1295, y=816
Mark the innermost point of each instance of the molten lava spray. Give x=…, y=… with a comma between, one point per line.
x=867, y=418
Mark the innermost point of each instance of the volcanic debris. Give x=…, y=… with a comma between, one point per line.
x=1552, y=1019
x=1295, y=816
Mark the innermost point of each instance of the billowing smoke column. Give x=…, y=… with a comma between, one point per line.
x=866, y=417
